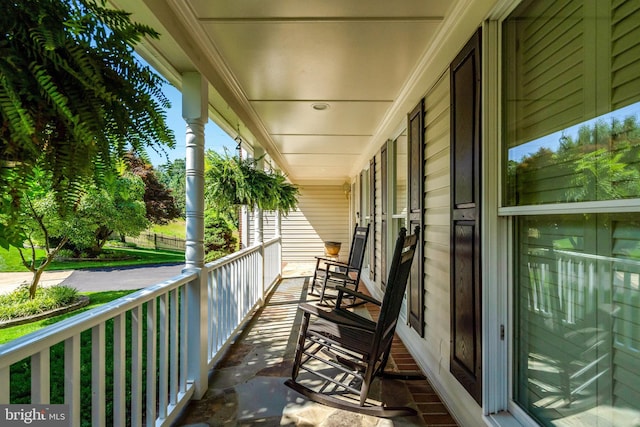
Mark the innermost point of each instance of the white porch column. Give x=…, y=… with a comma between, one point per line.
x=278, y=224
x=194, y=111
x=258, y=231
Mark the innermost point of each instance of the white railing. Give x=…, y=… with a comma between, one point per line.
x=237, y=285
x=139, y=345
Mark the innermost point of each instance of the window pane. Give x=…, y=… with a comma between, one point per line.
x=400, y=167
x=572, y=102
x=578, y=319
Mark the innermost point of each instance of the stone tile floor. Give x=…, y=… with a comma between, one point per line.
x=246, y=387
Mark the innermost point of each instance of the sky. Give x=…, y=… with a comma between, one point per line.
x=215, y=138
x=552, y=141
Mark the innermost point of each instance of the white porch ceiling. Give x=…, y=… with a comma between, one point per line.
x=269, y=61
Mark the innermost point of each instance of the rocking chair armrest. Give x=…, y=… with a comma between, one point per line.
x=335, y=316
x=334, y=263
x=367, y=298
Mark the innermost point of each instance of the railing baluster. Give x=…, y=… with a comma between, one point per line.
x=119, y=371
x=151, y=381
x=174, y=359
x=213, y=313
x=5, y=391
x=40, y=383
x=227, y=307
x=97, y=376
x=163, y=366
x=184, y=353
x=136, y=366
x=72, y=377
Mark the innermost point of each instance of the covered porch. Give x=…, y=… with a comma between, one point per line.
x=185, y=354
x=246, y=387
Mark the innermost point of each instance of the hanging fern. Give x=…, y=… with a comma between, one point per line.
x=72, y=95
x=231, y=182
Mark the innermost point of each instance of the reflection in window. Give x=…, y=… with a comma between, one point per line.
x=578, y=304
x=571, y=101
x=595, y=160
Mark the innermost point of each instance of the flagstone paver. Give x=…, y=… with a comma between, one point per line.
x=247, y=388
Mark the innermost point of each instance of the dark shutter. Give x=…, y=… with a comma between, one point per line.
x=416, y=177
x=383, y=215
x=466, y=315
x=372, y=215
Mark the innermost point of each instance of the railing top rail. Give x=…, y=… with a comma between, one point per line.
x=594, y=257
x=237, y=255
x=34, y=342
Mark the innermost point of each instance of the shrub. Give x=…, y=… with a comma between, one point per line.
x=64, y=253
x=218, y=236
x=17, y=304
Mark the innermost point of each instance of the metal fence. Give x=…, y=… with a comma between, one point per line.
x=157, y=241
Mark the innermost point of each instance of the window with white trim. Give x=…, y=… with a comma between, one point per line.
x=571, y=180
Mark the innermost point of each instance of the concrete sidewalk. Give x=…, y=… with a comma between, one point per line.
x=10, y=281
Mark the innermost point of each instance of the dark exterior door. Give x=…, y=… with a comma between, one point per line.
x=466, y=314
x=415, y=138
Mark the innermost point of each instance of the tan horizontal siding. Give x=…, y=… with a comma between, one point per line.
x=437, y=223
x=322, y=215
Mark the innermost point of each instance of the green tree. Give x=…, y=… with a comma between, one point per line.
x=73, y=96
x=173, y=175
x=158, y=198
x=115, y=207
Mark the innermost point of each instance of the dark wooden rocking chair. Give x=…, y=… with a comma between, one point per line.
x=330, y=273
x=347, y=351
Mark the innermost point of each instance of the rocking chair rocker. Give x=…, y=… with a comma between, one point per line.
x=347, y=351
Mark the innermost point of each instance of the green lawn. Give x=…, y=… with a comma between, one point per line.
x=21, y=371
x=96, y=299
x=10, y=260
x=176, y=228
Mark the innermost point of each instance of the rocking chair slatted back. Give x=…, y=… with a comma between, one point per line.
x=329, y=272
x=394, y=293
x=358, y=246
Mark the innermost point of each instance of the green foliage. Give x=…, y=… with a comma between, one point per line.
x=601, y=163
x=73, y=96
x=219, y=239
x=159, y=202
x=173, y=176
x=18, y=304
x=116, y=205
x=96, y=299
x=232, y=182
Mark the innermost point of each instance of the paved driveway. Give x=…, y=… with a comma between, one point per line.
x=103, y=279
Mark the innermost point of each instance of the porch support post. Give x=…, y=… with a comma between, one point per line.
x=194, y=111
x=258, y=231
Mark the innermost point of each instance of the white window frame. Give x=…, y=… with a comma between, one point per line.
x=497, y=226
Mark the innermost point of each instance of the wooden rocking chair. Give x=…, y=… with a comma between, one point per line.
x=347, y=351
x=330, y=273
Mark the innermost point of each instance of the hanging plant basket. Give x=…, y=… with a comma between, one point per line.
x=232, y=182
